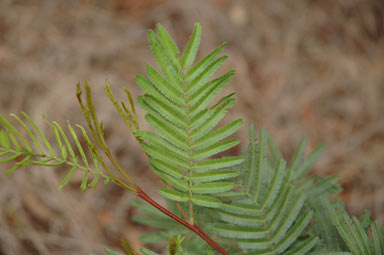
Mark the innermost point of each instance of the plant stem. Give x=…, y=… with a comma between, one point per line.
x=192, y=226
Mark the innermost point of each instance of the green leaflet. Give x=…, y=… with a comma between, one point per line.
x=111, y=252
x=169, y=46
x=210, y=89
x=165, y=63
x=163, y=109
x=214, y=187
x=177, y=184
x=202, y=64
x=302, y=248
x=67, y=178
x=309, y=162
x=10, y=158
x=166, y=156
x=217, y=135
x=158, y=141
x=151, y=89
x=4, y=139
x=190, y=51
x=214, y=175
x=217, y=163
x=206, y=201
x=214, y=149
x=148, y=252
x=174, y=136
x=174, y=92
x=204, y=75
x=29, y=132
x=187, y=141
x=215, y=115
x=166, y=168
x=40, y=134
x=173, y=195
x=298, y=154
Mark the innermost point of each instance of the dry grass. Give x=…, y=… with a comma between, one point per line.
x=304, y=68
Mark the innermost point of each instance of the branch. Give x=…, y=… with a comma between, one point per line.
x=192, y=226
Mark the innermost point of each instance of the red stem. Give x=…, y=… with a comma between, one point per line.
x=140, y=193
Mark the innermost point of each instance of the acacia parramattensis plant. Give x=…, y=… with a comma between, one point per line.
x=255, y=203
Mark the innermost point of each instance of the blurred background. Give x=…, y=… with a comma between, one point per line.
x=309, y=68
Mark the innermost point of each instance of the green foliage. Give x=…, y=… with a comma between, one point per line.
x=177, y=105
x=265, y=214
x=361, y=236
x=34, y=149
x=192, y=244
x=254, y=203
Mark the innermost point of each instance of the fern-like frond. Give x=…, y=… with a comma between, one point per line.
x=363, y=237
x=179, y=105
x=267, y=216
x=336, y=231
x=34, y=148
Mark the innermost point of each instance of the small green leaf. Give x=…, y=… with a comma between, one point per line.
x=160, y=141
x=4, y=140
x=11, y=131
x=213, y=187
x=214, y=175
x=40, y=134
x=79, y=147
x=179, y=184
x=214, y=149
x=215, y=116
x=298, y=155
x=111, y=252
x=66, y=141
x=30, y=134
x=190, y=51
x=94, y=181
x=169, y=46
x=309, y=162
x=172, y=91
x=174, y=136
x=10, y=158
x=217, y=163
x=217, y=135
x=202, y=64
x=166, y=168
x=147, y=252
x=63, y=150
x=163, y=108
x=173, y=195
x=170, y=157
x=84, y=182
x=206, y=201
x=23, y=162
x=67, y=178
